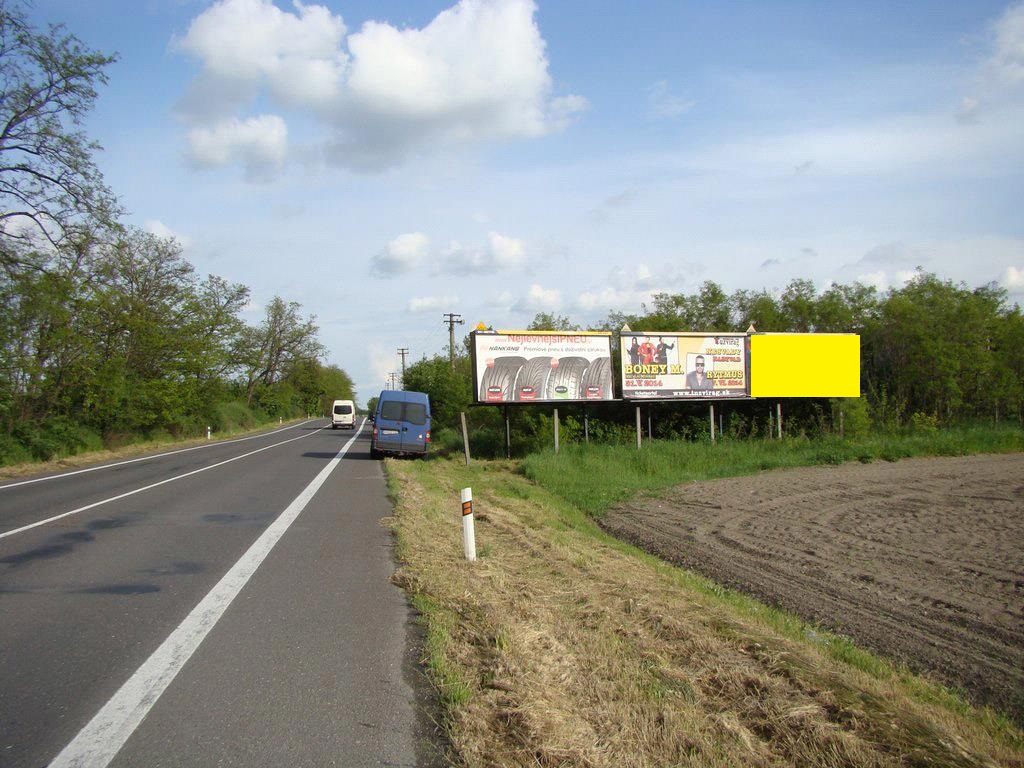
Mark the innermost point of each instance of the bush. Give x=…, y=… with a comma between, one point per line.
x=231, y=416
x=925, y=423
x=856, y=418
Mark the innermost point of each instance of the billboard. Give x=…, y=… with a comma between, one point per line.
x=542, y=366
x=680, y=366
x=805, y=365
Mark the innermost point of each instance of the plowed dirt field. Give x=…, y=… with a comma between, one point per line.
x=921, y=560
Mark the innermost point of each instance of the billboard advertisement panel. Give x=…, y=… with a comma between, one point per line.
x=679, y=366
x=542, y=366
x=805, y=365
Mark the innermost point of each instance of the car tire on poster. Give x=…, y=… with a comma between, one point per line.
x=566, y=379
x=534, y=378
x=499, y=380
x=599, y=376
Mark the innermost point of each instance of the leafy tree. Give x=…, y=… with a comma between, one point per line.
x=546, y=321
x=48, y=179
x=284, y=338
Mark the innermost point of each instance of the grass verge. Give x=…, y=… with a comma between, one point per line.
x=103, y=455
x=594, y=477
x=564, y=646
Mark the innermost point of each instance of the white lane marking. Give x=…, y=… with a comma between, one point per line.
x=23, y=528
x=102, y=738
x=147, y=458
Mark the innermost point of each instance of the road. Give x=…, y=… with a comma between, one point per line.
x=227, y=605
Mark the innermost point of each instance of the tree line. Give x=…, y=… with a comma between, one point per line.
x=933, y=352
x=107, y=334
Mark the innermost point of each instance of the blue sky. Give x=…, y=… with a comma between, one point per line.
x=386, y=162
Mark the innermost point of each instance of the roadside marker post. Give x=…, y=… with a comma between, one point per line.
x=468, y=535
x=207, y=433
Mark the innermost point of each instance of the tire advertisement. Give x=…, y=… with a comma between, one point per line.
x=542, y=366
x=684, y=366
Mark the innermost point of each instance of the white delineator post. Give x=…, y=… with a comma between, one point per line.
x=468, y=537
x=207, y=433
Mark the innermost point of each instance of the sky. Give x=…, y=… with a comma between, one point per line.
x=384, y=163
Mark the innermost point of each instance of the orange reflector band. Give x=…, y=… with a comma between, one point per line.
x=467, y=507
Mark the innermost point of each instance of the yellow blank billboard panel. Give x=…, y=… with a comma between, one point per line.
x=805, y=365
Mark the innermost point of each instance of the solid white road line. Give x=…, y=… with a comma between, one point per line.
x=5, y=534
x=102, y=738
x=146, y=458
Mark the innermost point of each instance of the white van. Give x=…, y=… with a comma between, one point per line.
x=343, y=414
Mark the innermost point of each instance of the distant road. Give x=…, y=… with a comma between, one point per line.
x=227, y=606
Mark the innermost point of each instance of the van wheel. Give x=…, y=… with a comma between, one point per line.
x=334, y=426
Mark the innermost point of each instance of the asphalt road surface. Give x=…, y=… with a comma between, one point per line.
x=228, y=605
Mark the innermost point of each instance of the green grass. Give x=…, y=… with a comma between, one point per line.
x=595, y=477
x=440, y=622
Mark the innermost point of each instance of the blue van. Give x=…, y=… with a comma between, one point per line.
x=401, y=424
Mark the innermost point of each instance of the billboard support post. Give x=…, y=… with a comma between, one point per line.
x=556, y=430
x=508, y=434
x=841, y=423
x=586, y=426
x=465, y=435
x=711, y=409
x=778, y=418
x=650, y=425
x=639, y=431
x=720, y=428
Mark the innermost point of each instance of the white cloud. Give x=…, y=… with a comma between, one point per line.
x=539, y=299
x=1008, y=58
x=997, y=81
x=158, y=228
x=1013, y=279
x=243, y=43
x=972, y=260
x=666, y=104
x=500, y=253
x=432, y=303
x=381, y=362
x=477, y=72
x=626, y=288
x=403, y=254
x=260, y=144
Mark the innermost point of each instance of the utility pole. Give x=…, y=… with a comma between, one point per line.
x=392, y=376
x=452, y=319
x=403, y=351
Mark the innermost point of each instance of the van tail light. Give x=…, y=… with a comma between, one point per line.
x=375, y=432
x=428, y=435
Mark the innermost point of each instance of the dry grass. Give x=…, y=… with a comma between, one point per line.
x=564, y=647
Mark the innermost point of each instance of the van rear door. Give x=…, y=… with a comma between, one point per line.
x=389, y=426
x=414, y=430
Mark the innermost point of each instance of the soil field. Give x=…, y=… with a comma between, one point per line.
x=921, y=560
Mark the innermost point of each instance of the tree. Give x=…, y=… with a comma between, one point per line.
x=268, y=352
x=546, y=321
x=48, y=180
